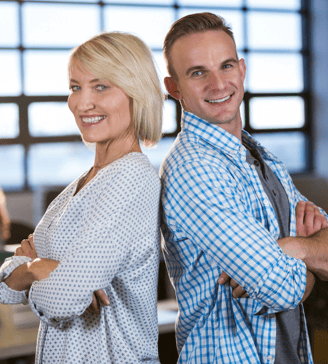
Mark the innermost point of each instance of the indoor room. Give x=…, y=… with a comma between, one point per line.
x=284, y=107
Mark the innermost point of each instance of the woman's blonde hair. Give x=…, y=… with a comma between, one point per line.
x=125, y=60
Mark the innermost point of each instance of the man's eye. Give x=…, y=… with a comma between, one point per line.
x=197, y=73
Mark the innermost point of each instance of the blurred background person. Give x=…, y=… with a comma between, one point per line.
x=4, y=218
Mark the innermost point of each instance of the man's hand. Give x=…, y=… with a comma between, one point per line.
x=98, y=297
x=309, y=220
x=27, y=248
x=237, y=290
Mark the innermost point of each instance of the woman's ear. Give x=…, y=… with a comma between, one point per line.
x=172, y=88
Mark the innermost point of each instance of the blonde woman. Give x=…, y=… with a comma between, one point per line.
x=102, y=231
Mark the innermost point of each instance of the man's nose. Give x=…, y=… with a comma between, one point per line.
x=216, y=81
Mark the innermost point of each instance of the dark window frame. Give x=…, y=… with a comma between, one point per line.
x=23, y=101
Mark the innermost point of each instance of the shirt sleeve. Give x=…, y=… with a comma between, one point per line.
x=207, y=205
x=8, y=295
x=100, y=252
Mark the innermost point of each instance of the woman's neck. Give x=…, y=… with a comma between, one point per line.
x=109, y=152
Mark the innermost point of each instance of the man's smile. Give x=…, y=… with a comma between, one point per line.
x=219, y=100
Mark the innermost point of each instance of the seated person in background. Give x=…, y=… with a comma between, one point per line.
x=4, y=218
x=102, y=231
x=229, y=209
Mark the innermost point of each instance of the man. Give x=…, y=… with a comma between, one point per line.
x=229, y=210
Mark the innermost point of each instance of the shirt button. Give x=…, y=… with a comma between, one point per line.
x=252, y=166
x=270, y=357
x=266, y=202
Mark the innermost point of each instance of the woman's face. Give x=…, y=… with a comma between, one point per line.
x=102, y=111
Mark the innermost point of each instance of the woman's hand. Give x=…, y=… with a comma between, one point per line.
x=98, y=297
x=27, y=248
x=41, y=268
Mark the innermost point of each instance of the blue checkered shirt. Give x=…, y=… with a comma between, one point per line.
x=218, y=218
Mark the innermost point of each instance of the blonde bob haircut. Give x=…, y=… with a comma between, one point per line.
x=126, y=61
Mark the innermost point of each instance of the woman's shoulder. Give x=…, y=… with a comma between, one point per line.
x=134, y=167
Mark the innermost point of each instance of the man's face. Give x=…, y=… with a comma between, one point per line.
x=210, y=78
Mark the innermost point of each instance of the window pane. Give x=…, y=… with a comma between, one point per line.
x=242, y=113
x=277, y=112
x=275, y=72
x=50, y=119
x=9, y=24
x=150, y=24
x=275, y=4
x=10, y=84
x=59, y=25
x=274, y=30
x=211, y=2
x=155, y=2
x=233, y=19
x=9, y=126
x=57, y=163
x=12, y=166
x=169, y=117
x=46, y=72
x=157, y=154
x=71, y=1
x=290, y=148
x=161, y=68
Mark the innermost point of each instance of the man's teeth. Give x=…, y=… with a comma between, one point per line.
x=218, y=101
x=93, y=120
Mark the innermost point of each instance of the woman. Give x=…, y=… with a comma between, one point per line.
x=102, y=231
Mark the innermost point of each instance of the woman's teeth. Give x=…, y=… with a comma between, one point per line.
x=93, y=120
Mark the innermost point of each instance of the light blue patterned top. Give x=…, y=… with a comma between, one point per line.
x=218, y=218
x=107, y=236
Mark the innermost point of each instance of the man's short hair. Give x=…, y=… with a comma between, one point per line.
x=194, y=23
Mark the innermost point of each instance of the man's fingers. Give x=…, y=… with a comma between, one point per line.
x=300, y=211
x=238, y=292
x=102, y=297
x=224, y=278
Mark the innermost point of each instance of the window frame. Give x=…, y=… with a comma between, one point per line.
x=23, y=101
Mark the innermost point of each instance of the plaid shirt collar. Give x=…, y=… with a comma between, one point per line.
x=221, y=139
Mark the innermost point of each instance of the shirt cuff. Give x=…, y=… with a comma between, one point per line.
x=8, y=295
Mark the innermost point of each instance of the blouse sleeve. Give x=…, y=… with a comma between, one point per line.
x=8, y=295
x=101, y=251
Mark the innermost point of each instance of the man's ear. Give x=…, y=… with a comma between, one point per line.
x=172, y=88
x=242, y=68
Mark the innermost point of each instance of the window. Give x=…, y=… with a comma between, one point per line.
x=39, y=141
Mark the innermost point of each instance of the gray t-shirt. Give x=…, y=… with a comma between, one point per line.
x=288, y=322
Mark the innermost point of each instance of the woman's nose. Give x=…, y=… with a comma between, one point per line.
x=85, y=101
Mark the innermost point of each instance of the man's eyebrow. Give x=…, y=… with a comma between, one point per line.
x=194, y=68
x=230, y=60
x=202, y=68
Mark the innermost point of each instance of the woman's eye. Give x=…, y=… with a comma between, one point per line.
x=75, y=88
x=101, y=87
